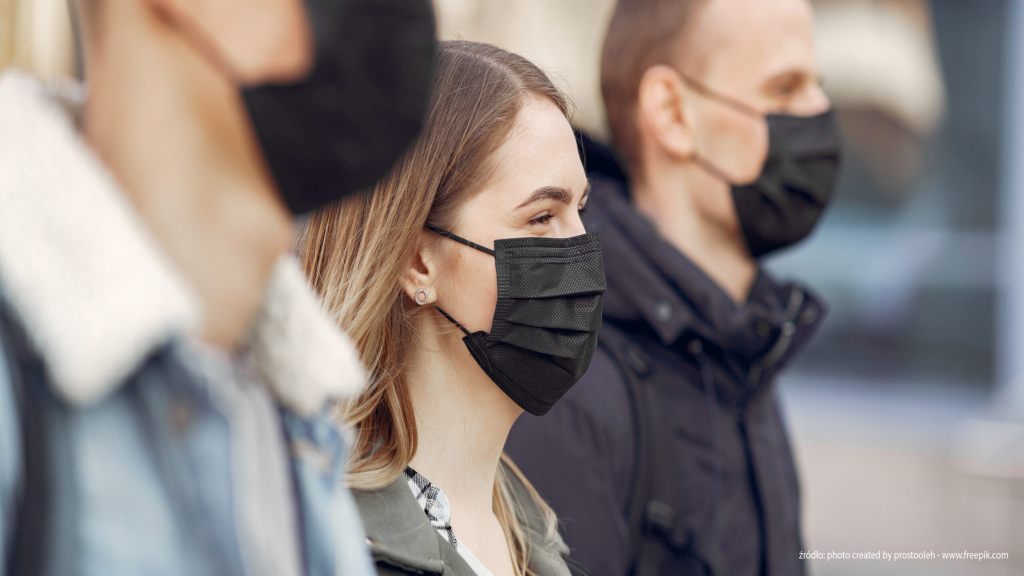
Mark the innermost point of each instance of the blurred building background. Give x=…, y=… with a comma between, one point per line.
x=36, y=35
x=908, y=411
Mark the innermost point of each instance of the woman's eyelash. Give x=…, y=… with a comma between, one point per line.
x=545, y=218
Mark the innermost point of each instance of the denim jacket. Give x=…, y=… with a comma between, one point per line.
x=93, y=321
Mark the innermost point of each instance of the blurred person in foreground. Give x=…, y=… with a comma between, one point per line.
x=165, y=371
x=671, y=456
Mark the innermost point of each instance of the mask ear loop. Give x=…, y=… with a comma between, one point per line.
x=452, y=320
x=727, y=101
x=710, y=168
x=702, y=89
x=459, y=239
x=469, y=243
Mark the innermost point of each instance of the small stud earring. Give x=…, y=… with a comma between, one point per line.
x=421, y=297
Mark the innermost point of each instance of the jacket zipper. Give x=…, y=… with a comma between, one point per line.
x=784, y=341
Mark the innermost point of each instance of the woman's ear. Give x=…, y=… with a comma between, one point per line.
x=662, y=112
x=421, y=272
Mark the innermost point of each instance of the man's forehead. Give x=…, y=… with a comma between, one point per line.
x=761, y=34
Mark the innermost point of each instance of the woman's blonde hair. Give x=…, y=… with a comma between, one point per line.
x=354, y=254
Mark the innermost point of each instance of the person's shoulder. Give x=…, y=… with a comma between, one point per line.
x=603, y=389
x=594, y=416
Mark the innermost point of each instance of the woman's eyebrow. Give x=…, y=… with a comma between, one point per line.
x=560, y=195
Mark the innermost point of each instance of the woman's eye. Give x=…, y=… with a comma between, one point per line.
x=542, y=219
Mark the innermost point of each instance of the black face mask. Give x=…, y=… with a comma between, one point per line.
x=784, y=204
x=545, y=324
x=341, y=128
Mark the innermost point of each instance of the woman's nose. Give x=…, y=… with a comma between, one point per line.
x=575, y=225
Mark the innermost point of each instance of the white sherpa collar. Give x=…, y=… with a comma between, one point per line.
x=297, y=349
x=94, y=290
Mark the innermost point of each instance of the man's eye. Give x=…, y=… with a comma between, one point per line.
x=541, y=220
x=788, y=89
x=789, y=86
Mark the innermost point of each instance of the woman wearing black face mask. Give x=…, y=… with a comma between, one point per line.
x=473, y=293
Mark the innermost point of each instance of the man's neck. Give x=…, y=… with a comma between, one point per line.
x=667, y=199
x=173, y=134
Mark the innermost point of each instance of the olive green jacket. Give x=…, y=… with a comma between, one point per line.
x=403, y=542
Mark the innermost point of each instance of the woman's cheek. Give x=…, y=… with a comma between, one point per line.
x=485, y=297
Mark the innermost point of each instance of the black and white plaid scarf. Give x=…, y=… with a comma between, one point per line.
x=434, y=503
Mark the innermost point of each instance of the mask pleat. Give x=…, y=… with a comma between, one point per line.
x=560, y=343
x=581, y=314
x=529, y=278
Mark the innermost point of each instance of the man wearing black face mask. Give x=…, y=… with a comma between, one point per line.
x=166, y=375
x=671, y=455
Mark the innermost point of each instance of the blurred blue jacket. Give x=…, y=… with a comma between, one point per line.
x=138, y=469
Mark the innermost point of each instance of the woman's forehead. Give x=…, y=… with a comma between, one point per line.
x=539, y=152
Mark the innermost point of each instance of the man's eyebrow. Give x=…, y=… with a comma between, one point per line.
x=558, y=194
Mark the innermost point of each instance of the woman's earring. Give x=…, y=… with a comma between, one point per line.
x=421, y=296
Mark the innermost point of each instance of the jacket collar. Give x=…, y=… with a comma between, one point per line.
x=653, y=283
x=399, y=533
x=93, y=289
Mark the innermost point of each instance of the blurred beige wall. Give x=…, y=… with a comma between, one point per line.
x=36, y=35
x=6, y=30
x=882, y=55
x=877, y=54
x=561, y=36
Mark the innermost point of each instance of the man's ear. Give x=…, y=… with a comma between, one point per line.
x=419, y=279
x=251, y=41
x=662, y=112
